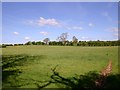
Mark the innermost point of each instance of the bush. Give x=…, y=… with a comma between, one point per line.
x=2, y=46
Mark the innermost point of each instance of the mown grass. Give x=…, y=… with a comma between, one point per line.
x=71, y=60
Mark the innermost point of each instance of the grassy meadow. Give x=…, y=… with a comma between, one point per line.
x=35, y=62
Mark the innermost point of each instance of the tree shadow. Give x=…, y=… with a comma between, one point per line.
x=6, y=74
x=91, y=80
x=11, y=68
x=9, y=64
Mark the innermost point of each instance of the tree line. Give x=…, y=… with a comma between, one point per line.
x=71, y=43
x=68, y=43
x=62, y=41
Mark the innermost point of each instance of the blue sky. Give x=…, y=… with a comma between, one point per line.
x=25, y=21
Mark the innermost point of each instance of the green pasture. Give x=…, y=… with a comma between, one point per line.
x=33, y=63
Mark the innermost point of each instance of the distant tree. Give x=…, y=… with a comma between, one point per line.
x=39, y=43
x=59, y=43
x=33, y=43
x=16, y=45
x=20, y=44
x=70, y=43
x=46, y=40
x=75, y=40
x=3, y=46
x=63, y=38
x=28, y=43
x=7, y=44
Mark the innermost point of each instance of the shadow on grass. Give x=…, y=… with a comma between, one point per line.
x=9, y=64
x=77, y=82
x=10, y=68
x=6, y=74
x=86, y=81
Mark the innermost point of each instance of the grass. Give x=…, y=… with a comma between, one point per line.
x=71, y=60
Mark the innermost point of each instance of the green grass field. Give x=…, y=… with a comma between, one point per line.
x=71, y=60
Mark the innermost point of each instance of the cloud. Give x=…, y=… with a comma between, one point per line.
x=52, y=22
x=84, y=37
x=27, y=38
x=106, y=14
x=114, y=29
x=30, y=22
x=16, y=33
x=74, y=28
x=116, y=34
x=90, y=24
x=77, y=28
x=69, y=34
x=44, y=33
x=43, y=22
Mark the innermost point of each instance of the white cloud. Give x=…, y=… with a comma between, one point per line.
x=16, y=33
x=30, y=22
x=90, y=24
x=53, y=22
x=74, y=28
x=69, y=34
x=106, y=14
x=33, y=40
x=84, y=37
x=27, y=38
x=43, y=22
x=114, y=29
x=77, y=28
x=116, y=34
x=44, y=33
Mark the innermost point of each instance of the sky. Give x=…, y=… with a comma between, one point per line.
x=35, y=21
